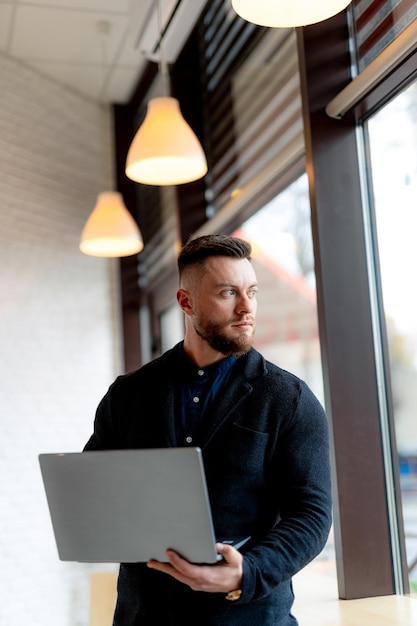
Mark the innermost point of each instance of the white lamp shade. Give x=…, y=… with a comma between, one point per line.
x=165, y=150
x=287, y=13
x=110, y=231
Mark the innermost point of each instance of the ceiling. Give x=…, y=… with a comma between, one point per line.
x=66, y=40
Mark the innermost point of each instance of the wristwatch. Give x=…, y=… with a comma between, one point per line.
x=234, y=595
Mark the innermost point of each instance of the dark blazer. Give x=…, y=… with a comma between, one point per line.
x=266, y=457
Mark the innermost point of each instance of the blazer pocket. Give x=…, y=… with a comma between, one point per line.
x=247, y=449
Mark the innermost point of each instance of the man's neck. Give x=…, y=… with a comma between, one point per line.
x=200, y=353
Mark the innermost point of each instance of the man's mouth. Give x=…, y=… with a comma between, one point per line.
x=243, y=324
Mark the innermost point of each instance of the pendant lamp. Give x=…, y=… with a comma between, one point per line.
x=165, y=150
x=287, y=14
x=110, y=231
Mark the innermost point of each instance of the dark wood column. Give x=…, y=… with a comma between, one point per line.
x=361, y=525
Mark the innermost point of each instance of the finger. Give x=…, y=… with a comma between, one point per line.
x=230, y=555
x=160, y=566
x=173, y=557
x=182, y=565
x=174, y=572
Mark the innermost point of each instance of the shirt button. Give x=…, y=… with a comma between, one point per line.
x=196, y=399
x=200, y=372
x=188, y=439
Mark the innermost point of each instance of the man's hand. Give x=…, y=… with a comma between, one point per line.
x=224, y=576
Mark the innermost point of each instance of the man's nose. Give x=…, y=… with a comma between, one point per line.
x=245, y=305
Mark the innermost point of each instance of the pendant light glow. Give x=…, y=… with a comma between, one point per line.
x=285, y=14
x=165, y=150
x=111, y=231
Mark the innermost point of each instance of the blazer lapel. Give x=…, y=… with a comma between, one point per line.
x=225, y=406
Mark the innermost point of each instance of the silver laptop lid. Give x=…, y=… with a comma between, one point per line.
x=129, y=505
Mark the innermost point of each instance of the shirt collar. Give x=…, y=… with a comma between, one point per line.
x=213, y=370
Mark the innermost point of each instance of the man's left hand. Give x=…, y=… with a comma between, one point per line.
x=224, y=576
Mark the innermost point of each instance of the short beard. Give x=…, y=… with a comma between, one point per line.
x=224, y=345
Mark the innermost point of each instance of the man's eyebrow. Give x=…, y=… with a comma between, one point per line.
x=226, y=284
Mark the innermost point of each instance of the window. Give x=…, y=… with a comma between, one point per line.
x=393, y=147
x=287, y=330
x=287, y=325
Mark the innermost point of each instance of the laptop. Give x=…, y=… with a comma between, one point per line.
x=122, y=506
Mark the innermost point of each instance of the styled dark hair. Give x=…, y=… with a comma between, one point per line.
x=197, y=250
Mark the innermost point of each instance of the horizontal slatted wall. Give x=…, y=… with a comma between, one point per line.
x=377, y=23
x=252, y=99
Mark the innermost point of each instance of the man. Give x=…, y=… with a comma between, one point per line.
x=264, y=438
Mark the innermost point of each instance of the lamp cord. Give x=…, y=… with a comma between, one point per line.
x=163, y=69
x=103, y=27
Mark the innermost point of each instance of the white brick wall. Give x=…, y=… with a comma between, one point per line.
x=59, y=339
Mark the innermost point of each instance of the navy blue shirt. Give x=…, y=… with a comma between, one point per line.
x=199, y=389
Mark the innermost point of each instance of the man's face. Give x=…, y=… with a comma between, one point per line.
x=224, y=305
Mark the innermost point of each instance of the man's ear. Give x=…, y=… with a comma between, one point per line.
x=183, y=299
